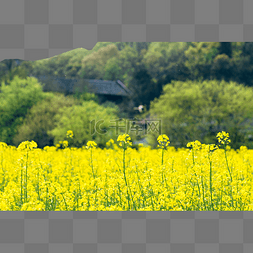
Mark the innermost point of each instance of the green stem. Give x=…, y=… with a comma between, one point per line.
x=197, y=184
x=221, y=193
x=162, y=155
x=26, y=176
x=21, y=194
x=91, y=163
x=140, y=187
x=229, y=174
x=227, y=162
x=210, y=175
x=66, y=206
x=47, y=200
x=120, y=202
x=203, y=190
x=38, y=184
x=79, y=194
x=124, y=172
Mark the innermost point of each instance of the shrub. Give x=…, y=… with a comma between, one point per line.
x=78, y=119
x=41, y=119
x=16, y=99
x=194, y=110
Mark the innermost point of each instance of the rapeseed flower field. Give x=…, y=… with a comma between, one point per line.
x=118, y=178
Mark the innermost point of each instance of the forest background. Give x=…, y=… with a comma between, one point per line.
x=196, y=89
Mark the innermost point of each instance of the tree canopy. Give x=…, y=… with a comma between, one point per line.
x=146, y=69
x=198, y=110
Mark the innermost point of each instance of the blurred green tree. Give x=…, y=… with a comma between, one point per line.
x=40, y=119
x=16, y=99
x=80, y=119
x=199, y=110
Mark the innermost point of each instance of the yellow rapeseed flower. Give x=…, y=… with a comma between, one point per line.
x=27, y=145
x=110, y=142
x=125, y=138
x=209, y=147
x=63, y=181
x=70, y=134
x=91, y=144
x=62, y=144
x=223, y=137
x=163, y=141
x=65, y=144
x=196, y=145
x=3, y=145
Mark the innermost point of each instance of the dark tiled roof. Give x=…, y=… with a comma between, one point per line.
x=108, y=87
x=116, y=88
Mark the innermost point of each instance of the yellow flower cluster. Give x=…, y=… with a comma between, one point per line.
x=62, y=144
x=70, y=134
x=27, y=145
x=223, y=137
x=125, y=138
x=196, y=145
x=209, y=147
x=3, y=145
x=163, y=141
x=96, y=180
x=110, y=142
x=91, y=144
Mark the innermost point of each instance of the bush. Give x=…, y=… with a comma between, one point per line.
x=16, y=99
x=198, y=111
x=78, y=119
x=41, y=119
x=222, y=68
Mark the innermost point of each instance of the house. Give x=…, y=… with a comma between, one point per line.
x=113, y=91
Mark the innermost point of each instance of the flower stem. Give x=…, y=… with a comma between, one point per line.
x=229, y=174
x=124, y=172
x=210, y=166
